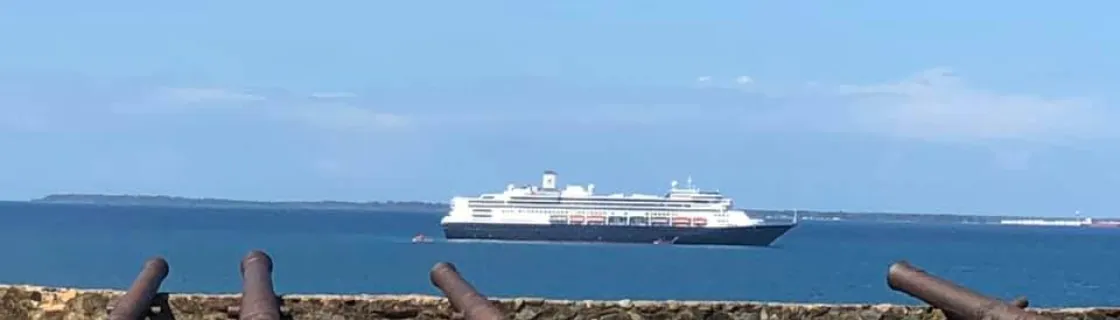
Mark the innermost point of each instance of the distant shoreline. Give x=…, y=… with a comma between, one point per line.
x=439, y=208
x=184, y=202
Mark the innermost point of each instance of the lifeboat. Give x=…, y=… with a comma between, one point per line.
x=681, y=221
x=699, y=221
x=596, y=219
x=575, y=219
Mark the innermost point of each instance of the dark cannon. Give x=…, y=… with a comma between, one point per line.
x=462, y=295
x=136, y=303
x=955, y=301
x=258, y=299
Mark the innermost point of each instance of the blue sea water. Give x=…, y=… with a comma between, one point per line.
x=361, y=252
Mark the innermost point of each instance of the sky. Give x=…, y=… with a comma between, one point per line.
x=990, y=107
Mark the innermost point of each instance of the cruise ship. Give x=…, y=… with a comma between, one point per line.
x=684, y=215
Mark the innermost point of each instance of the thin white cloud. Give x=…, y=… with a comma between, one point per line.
x=936, y=104
x=931, y=105
x=195, y=95
x=345, y=117
x=333, y=95
x=88, y=106
x=162, y=100
x=311, y=111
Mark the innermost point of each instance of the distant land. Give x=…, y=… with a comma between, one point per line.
x=440, y=208
x=172, y=201
x=896, y=217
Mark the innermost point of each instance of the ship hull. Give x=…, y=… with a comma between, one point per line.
x=760, y=235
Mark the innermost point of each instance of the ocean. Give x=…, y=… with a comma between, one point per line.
x=368, y=252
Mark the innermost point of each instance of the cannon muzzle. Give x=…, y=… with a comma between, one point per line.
x=258, y=300
x=136, y=304
x=955, y=301
x=462, y=295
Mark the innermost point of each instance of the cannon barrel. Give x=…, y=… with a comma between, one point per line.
x=462, y=295
x=137, y=302
x=1020, y=302
x=954, y=300
x=258, y=300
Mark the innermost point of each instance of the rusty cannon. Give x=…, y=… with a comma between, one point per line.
x=955, y=301
x=258, y=299
x=136, y=303
x=463, y=297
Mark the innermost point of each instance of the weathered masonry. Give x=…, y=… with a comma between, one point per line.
x=258, y=301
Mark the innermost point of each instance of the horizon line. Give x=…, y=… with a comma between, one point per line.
x=959, y=214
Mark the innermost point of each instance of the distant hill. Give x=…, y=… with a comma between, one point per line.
x=171, y=201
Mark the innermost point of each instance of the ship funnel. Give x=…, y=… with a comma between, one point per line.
x=548, y=181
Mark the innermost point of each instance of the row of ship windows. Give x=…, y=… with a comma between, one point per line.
x=637, y=221
x=582, y=212
x=597, y=204
x=577, y=210
x=623, y=201
x=641, y=221
x=555, y=199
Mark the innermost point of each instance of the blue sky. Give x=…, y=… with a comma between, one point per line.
x=980, y=107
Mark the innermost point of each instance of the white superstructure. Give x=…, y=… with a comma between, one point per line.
x=579, y=205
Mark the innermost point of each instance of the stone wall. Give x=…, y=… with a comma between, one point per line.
x=28, y=302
